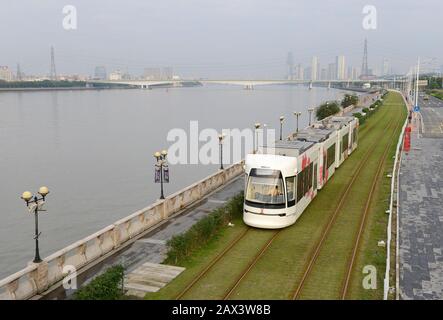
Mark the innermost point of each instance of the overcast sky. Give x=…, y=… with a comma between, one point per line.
x=216, y=38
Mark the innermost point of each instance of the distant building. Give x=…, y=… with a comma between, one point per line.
x=385, y=67
x=5, y=73
x=323, y=74
x=167, y=73
x=314, y=68
x=100, y=73
x=116, y=75
x=307, y=73
x=341, y=68
x=152, y=74
x=332, y=71
x=299, y=72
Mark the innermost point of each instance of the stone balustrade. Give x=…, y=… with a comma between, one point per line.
x=36, y=278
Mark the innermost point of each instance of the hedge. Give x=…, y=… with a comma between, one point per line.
x=181, y=246
x=107, y=286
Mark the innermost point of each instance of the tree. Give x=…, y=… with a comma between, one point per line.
x=349, y=100
x=327, y=109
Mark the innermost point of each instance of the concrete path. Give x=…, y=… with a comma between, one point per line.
x=151, y=248
x=421, y=209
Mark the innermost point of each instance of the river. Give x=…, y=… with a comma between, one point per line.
x=93, y=149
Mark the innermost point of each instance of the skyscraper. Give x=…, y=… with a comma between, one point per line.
x=290, y=63
x=314, y=68
x=332, y=71
x=100, y=73
x=341, y=68
x=385, y=67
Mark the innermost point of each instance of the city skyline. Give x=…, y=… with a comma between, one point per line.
x=234, y=41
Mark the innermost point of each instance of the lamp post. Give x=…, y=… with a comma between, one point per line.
x=297, y=114
x=35, y=204
x=282, y=119
x=161, y=170
x=310, y=110
x=256, y=126
x=221, y=137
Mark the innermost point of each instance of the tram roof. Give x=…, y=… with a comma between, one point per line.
x=289, y=147
x=313, y=134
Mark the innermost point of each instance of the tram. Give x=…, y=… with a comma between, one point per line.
x=283, y=179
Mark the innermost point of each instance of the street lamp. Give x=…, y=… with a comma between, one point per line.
x=281, y=127
x=256, y=126
x=161, y=170
x=221, y=137
x=35, y=204
x=310, y=110
x=297, y=114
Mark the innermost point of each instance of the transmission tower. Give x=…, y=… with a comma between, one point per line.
x=53, y=74
x=364, y=65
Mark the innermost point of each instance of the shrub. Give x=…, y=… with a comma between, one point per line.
x=183, y=245
x=327, y=109
x=360, y=117
x=107, y=286
x=349, y=100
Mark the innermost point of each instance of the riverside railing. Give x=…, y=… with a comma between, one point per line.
x=38, y=277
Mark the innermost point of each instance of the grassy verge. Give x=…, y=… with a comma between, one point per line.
x=280, y=268
x=371, y=253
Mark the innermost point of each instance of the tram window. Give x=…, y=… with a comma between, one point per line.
x=345, y=143
x=291, y=190
x=300, y=185
x=331, y=155
x=265, y=188
x=315, y=177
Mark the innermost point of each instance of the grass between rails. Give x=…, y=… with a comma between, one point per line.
x=281, y=268
x=277, y=272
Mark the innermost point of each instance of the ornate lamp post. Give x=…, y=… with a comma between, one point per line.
x=221, y=137
x=35, y=204
x=281, y=127
x=256, y=126
x=161, y=170
x=297, y=114
x=310, y=110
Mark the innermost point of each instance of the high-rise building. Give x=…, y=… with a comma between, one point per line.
x=152, y=74
x=307, y=73
x=341, y=68
x=116, y=75
x=167, y=73
x=323, y=74
x=349, y=73
x=100, y=73
x=332, y=69
x=5, y=73
x=290, y=63
x=300, y=72
x=385, y=67
x=314, y=68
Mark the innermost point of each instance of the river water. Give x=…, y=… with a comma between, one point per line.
x=93, y=149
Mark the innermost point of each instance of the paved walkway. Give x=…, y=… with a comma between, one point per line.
x=421, y=210
x=152, y=247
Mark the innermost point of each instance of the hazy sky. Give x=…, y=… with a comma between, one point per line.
x=216, y=38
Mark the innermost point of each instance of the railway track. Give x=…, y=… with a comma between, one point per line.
x=309, y=267
x=238, y=280
x=212, y=263
x=356, y=245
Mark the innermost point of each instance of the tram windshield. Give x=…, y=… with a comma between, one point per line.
x=265, y=187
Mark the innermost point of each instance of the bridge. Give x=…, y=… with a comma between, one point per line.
x=246, y=83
